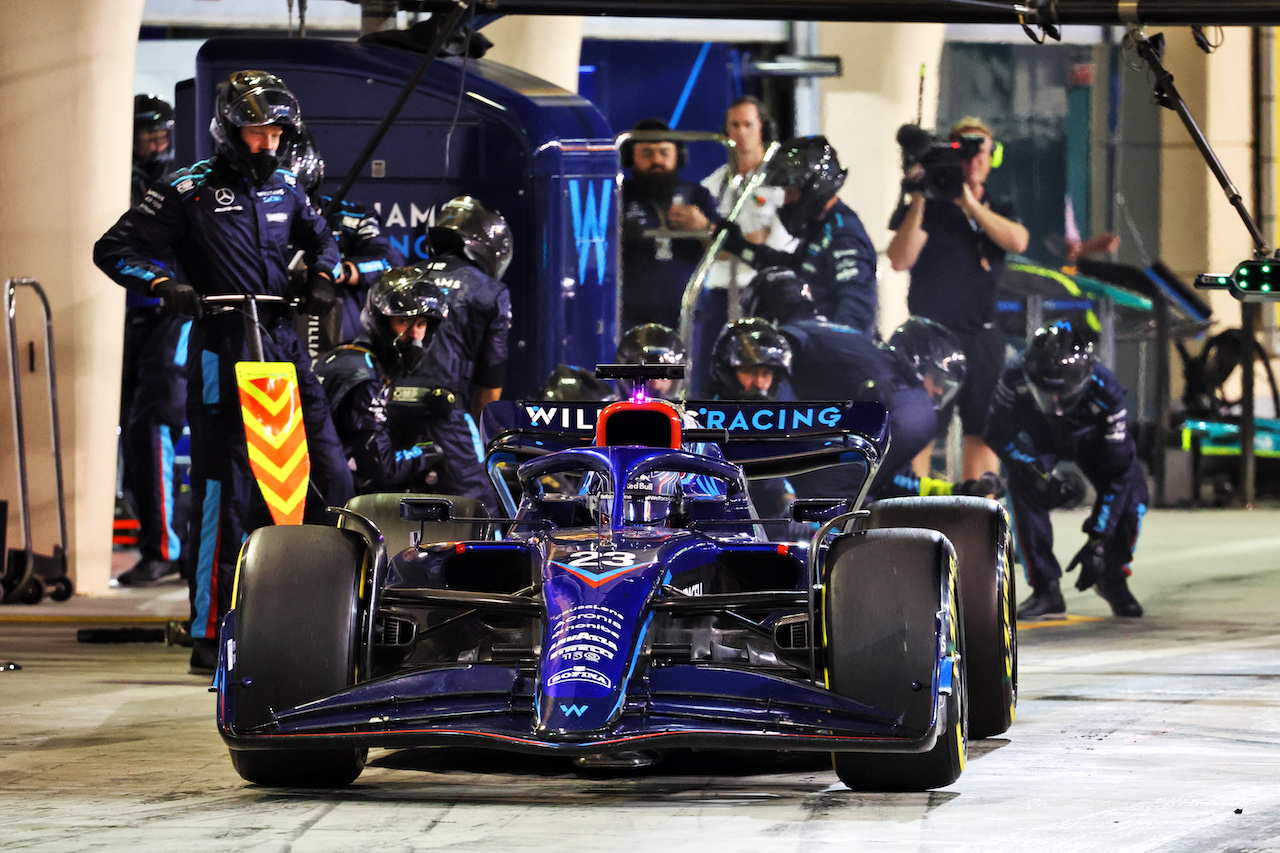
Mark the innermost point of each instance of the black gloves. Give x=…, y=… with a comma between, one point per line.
x=1058, y=491
x=734, y=242
x=1092, y=560
x=988, y=485
x=178, y=298
x=321, y=294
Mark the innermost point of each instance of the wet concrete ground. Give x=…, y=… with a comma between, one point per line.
x=1160, y=734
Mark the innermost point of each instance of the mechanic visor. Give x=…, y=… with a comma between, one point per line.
x=263, y=106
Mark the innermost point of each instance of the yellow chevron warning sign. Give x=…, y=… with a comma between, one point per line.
x=272, y=411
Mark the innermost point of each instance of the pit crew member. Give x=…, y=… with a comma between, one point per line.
x=1059, y=404
x=229, y=221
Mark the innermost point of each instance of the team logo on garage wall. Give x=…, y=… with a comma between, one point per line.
x=590, y=225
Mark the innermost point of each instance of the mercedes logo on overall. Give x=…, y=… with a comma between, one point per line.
x=224, y=196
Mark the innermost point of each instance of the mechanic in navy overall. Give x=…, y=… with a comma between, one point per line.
x=1059, y=404
x=465, y=365
x=655, y=270
x=366, y=251
x=835, y=256
x=751, y=362
x=956, y=253
x=402, y=311
x=835, y=362
x=153, y=383
x=652, y=343
x=229, y=221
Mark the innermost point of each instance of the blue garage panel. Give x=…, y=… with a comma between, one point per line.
x=541, y=156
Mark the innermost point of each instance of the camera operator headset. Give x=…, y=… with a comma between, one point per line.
x=954, y=239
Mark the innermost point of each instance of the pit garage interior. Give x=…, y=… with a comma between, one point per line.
x=1156, y=733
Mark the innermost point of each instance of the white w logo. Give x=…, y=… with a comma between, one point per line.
x=574, y=710
x=590, y=226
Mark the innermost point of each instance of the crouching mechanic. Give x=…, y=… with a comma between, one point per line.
x=912, y=378
x=228, y=222
x=465, y=365
x=1059, y=404
x=401, y=314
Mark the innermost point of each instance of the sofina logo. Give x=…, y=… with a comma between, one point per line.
x=574, y=710
x=590, y=225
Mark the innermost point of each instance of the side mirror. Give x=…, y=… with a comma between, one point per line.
x=426, y=509
x=818, y=509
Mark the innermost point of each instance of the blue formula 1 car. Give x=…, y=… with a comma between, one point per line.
x=632, y=602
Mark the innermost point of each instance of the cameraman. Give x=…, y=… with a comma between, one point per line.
x=955, y=249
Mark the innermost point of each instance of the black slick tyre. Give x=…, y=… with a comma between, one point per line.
x=979, y=531
x=882, y=595
x=297, y=618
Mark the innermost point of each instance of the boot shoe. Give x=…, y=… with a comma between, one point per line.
x=147, y=571
x=1115, y=590
x=1044, y=603
x=204, y=656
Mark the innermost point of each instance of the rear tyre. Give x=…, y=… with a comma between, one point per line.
x=384, y=511
x=883, y=592
x=297, y=617
x=979, y=531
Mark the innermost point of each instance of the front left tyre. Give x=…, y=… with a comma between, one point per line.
x=297, y=620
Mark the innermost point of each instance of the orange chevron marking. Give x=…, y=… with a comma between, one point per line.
x=271, y=408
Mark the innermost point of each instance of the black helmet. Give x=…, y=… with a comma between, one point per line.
x=465, y=226
x=402, y=292
x=651, y=343
x=777, y=294
x=933, y=354
x=808, y=164
x=302, y=157
x=152, y=113
x=253, y=99
x=569, y=384
x=748, y=343
x=1058, y=364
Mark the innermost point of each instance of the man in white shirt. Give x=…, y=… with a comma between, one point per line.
x=748, y=123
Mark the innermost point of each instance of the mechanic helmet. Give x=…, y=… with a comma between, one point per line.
x=809, y=165
x=404, y=292
x=1058, y=365
x=652, y=343
x=569, y=384
x=745, y=344
x=465, y=226
x=933, y=354
x=152, y=131
x=303, y=159
x=778, y=295
x=253, y=99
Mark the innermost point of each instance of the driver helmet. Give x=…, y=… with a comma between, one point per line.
x=749, y=343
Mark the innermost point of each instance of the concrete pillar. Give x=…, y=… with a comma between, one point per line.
x=66, y=107
x=545, y=46
x=862, y=111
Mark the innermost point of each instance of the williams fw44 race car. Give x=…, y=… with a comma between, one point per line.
x=631, y=602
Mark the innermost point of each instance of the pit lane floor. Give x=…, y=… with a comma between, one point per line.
x=1160, y=733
